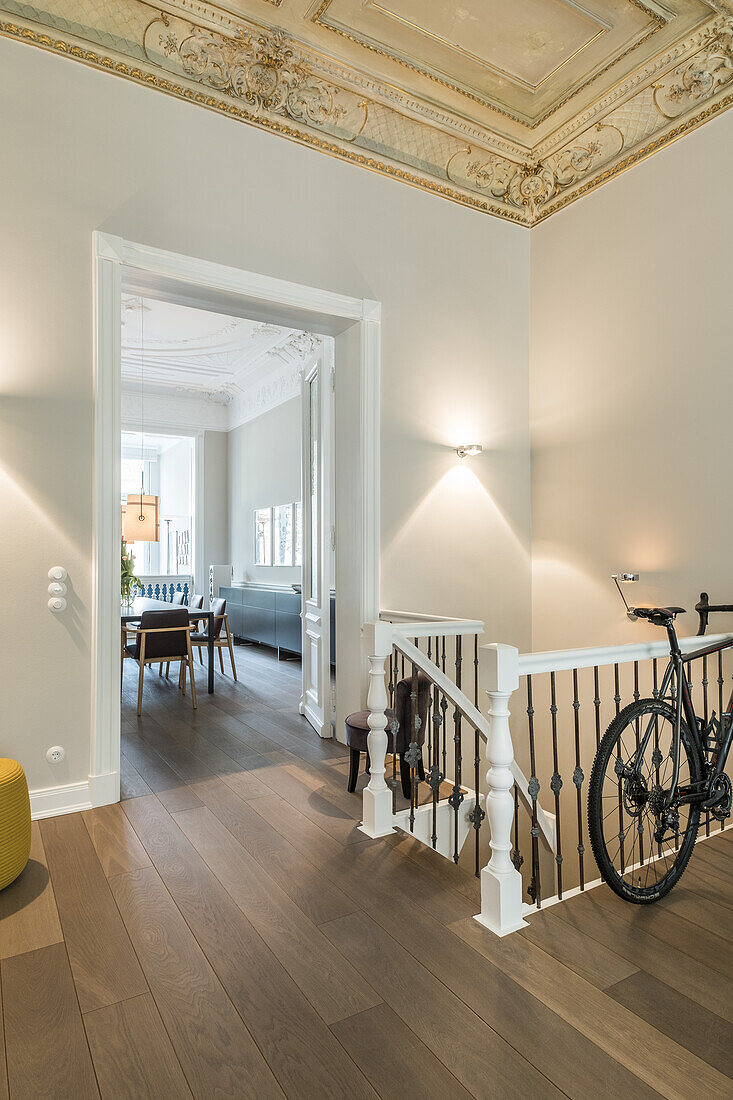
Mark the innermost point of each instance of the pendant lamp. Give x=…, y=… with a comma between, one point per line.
x=141, y=512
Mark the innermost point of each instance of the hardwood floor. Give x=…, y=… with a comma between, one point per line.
x=227, y=931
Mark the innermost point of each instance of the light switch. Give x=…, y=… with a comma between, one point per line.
x=57, y=573
x=57, y=603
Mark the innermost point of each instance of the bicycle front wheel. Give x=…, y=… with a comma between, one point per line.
x=642, y=846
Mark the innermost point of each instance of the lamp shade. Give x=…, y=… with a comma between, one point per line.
x=141, y=518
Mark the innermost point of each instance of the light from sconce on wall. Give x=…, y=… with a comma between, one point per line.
x=469, y=450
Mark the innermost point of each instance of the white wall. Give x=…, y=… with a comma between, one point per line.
x=632, y=395
x=84, y=150
x=175, y=479
x=216, y=549
x=264, y=470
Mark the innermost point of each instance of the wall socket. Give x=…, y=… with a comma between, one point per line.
x=55, y=754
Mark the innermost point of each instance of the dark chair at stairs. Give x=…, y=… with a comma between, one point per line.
x=398, y=739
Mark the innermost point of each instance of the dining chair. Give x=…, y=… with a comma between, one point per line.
x=201, y=639
x=178, y=598
x=194, y=604
x=162, y=637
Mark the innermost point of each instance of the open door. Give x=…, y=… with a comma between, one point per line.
x=317, y=434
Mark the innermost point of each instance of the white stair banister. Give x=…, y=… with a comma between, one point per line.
x=501, y=883
x=377, y=797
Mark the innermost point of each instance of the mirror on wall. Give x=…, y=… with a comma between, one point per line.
x=279, y=535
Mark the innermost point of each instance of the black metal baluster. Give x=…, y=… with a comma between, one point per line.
x=597, y=706
x=516, y=857
x=533, y=787
x=477, y=813
x=444, y=709
x=617, y=692
x=456, y=795
x=475, y=671
x=556, y=783
x=435, y=777
x=578, y=778
x=413, y=751
x=391, y=683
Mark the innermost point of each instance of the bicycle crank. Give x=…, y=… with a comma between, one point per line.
x=721, y=797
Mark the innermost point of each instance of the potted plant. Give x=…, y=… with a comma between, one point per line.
x=128, y=580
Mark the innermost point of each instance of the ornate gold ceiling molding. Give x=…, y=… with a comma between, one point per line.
x=657, y=22
x=268, y=79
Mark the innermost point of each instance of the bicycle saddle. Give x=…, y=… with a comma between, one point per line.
x=658, y=616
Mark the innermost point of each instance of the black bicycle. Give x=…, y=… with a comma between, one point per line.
x=657, y=768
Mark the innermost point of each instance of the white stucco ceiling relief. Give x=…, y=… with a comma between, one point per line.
x=198, y=369
x=513, y=107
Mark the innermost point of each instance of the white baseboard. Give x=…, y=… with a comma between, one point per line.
x=98, y=790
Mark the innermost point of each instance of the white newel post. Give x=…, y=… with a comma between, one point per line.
x=377, y=797
x=501, y=883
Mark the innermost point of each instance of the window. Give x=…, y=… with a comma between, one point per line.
x=263, y=536
x=279, y=535
x=283, y=532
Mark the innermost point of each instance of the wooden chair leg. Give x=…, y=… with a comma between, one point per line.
x=354, y=755
x=184, y=666
x=167, y=669
x=160, y=669
x=221, y=659
x=201, y=654
x=231, y=653
x=140, y=689
x=193, y=683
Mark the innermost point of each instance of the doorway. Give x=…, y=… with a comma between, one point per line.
x=346, y=552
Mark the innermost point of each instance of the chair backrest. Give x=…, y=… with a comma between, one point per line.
x=219, y=608
x=178, y=598
x=167, y=643
x=403, y=710
x=197, y=602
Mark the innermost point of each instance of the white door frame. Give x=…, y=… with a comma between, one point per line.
x=316, y=613
x=112, y=256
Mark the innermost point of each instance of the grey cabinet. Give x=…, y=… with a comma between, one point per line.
x=270, y=616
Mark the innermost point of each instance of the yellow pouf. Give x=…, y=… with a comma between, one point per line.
x=15, y=821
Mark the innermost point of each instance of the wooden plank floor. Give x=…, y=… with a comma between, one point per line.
x=227, y=931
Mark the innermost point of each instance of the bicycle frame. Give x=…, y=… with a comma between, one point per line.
x=684, y=704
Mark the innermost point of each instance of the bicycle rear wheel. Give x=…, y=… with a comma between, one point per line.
x=640, y=853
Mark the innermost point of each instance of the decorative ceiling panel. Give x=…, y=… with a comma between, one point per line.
x=513, y=107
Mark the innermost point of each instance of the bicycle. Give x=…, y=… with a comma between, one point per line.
x=658, y=766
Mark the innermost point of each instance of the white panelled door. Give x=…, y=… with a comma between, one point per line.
x=317, y=431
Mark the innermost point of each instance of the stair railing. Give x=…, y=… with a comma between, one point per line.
x=456, y=730
x=564, y=702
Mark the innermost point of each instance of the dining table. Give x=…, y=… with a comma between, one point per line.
x=195, y=615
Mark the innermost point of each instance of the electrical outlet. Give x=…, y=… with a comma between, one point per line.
x=55, y=754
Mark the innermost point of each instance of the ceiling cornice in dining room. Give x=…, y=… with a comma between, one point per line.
x=515, y=143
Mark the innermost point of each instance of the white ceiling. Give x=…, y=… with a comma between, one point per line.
x=174, y=347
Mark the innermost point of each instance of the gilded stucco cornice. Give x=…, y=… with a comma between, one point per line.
x=254, y=73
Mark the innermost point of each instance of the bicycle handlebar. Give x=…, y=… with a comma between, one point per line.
x=704, y=609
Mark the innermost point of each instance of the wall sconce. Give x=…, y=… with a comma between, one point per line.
x=625, y=578
x=469, y=450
